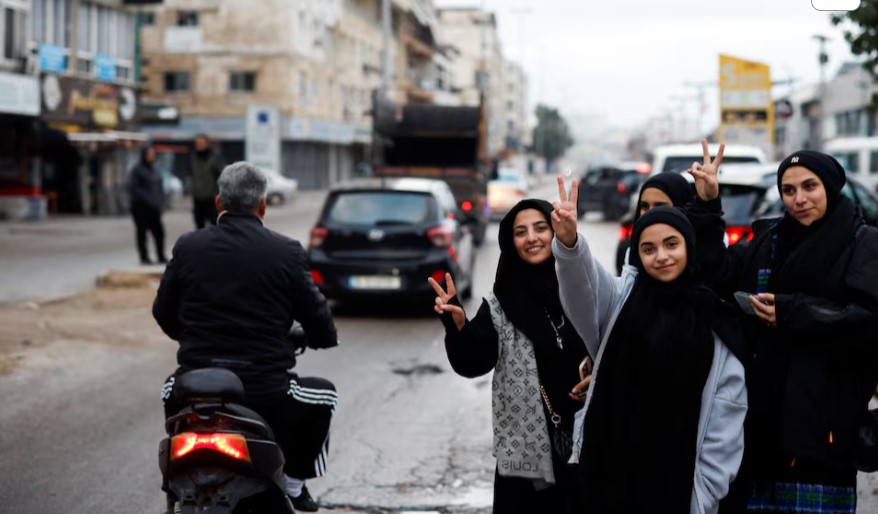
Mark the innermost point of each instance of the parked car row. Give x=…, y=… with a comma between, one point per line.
x=749, y=193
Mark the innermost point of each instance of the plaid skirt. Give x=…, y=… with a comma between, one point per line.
x=781, y=497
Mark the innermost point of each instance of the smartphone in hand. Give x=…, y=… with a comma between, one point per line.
x=743, y=300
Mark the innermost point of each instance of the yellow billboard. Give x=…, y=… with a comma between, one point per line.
x=746, y=108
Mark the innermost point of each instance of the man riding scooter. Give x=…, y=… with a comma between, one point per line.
x=229, y=296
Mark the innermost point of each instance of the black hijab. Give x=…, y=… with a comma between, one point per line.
x=671, y=183
x=528, y=294
x=642, y=425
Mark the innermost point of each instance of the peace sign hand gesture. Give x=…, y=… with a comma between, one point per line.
x=706, y=184
x=564, y=216
x=442, y=306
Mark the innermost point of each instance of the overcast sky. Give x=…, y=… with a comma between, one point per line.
x=627, y=59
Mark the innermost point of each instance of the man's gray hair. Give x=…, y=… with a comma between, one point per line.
x=241, y=187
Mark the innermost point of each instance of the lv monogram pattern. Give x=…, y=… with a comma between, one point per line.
x=521, y=436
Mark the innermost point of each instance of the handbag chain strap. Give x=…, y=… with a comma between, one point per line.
x=556, y=419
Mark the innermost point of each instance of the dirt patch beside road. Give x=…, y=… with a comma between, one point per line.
x=106, y=315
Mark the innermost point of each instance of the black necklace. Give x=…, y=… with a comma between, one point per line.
x=556, y=328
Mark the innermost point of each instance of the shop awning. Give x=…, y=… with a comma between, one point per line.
x=110, y=136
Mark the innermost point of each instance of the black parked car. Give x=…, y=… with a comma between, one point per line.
x=608, y=188
x=742, y=198
x=382, y=237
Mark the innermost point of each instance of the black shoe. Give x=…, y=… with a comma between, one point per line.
x=146, y=262
x=163, y=260
x=304, y=502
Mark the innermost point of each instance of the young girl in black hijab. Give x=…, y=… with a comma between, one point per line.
x=521, y=332
x=662, y=429
x=812, y=282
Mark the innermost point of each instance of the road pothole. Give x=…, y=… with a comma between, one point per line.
x=419, y=370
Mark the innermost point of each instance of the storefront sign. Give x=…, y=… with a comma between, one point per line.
x=88, y=103
x=105, y=67
x=746, y=108
x=262, y=145
x=19, y=94
x=52, y=58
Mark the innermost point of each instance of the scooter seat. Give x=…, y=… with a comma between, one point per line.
x=209, y=383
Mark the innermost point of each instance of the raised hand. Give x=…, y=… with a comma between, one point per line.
x=442, y=297
x=706, y=184
x=564, y=216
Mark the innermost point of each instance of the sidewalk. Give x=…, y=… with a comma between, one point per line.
x=63, y=255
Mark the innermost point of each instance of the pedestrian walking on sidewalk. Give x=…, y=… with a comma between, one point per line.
x=662, y=427
x=147, y=195
x=206, y=168
x=809, y=285
x=522, y=334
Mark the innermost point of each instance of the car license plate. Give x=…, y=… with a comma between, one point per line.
x=374, y=282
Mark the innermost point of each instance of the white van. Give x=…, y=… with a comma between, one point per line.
x=680, y=157
x=858, y=156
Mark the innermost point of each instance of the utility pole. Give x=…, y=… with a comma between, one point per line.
x=387, y=64
x=702, y=106
x=822, y=59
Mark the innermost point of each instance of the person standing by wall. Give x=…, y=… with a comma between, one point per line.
x=147, y=200
x=206, y=169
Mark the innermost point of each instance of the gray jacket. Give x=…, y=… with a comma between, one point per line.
x=592, y=299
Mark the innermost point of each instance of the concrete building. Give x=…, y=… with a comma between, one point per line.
x=81, y=53
x=313, y=61
x=519, y=128
x=479, y=68
x=20, y=193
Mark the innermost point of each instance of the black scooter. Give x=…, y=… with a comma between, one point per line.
x=221, y=457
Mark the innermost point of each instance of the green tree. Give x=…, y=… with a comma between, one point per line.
x=860, y=28
x=551, y=136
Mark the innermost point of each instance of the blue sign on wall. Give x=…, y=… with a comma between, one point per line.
x=105, y=67
x=52, y=58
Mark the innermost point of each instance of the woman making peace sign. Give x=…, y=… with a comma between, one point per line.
x=521, y=332
x=662, y=428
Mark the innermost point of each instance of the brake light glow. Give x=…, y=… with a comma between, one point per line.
x=438, y=275
x=440, y=236
x=643, y=168
x=318, y=236
x=620, y=187
x=318, y=277
x=738, y=234
x=625, y=232
x=466, y=205
x=232, y=445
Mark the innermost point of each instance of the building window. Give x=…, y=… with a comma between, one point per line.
x=147, y=18
x=242, y=81
x=12, y=28
x=176, y=81
x=187, y=19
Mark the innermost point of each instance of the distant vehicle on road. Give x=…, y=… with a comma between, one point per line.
x=510, y=187
x=608, y=188
x=680, y=157
x=382, y=238
x=280, y=188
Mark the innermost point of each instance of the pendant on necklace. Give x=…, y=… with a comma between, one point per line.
x=559, y=342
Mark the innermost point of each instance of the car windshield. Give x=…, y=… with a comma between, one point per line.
x=379, y=208
x=683, y=163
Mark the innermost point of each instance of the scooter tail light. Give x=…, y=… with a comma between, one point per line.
x=231, y=445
